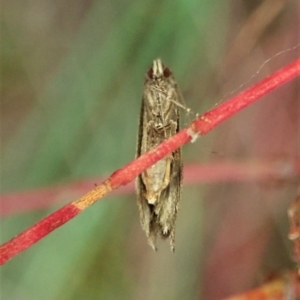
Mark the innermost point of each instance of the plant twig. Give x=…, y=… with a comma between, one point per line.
x=283, y=288
x=294, y=234
x=201, y=126
x=278, y=169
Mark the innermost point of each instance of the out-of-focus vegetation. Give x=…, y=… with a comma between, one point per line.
x=72, y=79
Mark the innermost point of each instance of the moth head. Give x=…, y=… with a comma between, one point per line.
x=158, y=70
x=159, y=93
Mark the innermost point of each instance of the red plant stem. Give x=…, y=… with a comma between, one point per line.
x=277, y=169
x=286, y=287
x=294, y=235
x=201, y=125
x=215, y=116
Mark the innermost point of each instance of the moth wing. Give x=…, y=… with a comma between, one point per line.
x=174, y=195
x=146, y=215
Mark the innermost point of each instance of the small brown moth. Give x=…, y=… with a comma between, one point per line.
x=159, y=187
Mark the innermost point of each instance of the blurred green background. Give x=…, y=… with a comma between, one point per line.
x=72, y=80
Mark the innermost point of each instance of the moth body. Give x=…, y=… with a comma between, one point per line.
x=159, y=187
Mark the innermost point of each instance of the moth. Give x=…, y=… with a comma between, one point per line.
x=159, y=187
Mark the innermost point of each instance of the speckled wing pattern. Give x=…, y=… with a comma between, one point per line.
x=159, y=187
